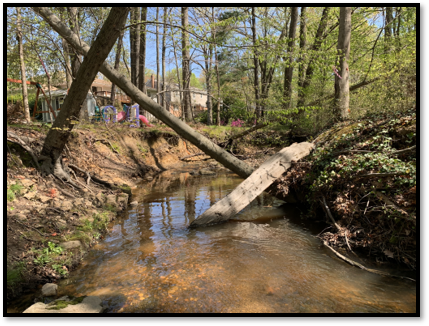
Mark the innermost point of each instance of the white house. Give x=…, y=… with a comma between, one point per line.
x=58, y=98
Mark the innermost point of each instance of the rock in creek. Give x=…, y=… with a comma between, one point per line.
x=49, y=289
x=71, y=244
x=207, y=172
x=91, y=304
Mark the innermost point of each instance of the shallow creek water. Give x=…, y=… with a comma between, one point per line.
x=262, y=261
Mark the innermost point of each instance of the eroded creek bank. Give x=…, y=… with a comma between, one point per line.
x=266, y=260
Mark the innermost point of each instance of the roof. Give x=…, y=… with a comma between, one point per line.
x=59, y=92
x=101, y=82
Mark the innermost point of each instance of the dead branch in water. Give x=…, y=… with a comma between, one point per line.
x=353, y=263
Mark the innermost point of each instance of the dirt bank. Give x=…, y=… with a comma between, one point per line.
x=362, y=178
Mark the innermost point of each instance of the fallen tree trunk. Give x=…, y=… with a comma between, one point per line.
x=254, y=185
x=146, y=103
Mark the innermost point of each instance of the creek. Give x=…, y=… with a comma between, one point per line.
x=265, y=260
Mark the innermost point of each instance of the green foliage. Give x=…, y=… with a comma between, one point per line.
x=46, y=255
x=14, y=273
x=16, y=188
x=10, y=195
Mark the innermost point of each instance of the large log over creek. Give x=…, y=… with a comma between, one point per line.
x=254, y=185
x=280, y=163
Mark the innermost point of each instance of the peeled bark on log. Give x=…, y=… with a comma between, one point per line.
x=146, y=103
x=254, y=185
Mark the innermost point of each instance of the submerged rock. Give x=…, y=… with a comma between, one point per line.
x=91, y=304
x=207, y=172
x=49, y=289
x=71, y=244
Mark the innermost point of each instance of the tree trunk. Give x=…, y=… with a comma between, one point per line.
x=218, y=87
x=22, y=65
x=254, y=185
x=66, y=51
x=158, y=88
x=314, y=48
x=134, y=44
x=255, y=67
x=287, y=90
x=164, y=95
x=69, y=78
x=117, y=60
x=342, y=92
x=302, y=45
x=61, y=129
x=142, y=59
x=182, y=129
x=208, y=63
x=74, y=26
x=185, y=66
x=388, y=30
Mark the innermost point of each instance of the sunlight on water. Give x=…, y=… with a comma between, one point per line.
x=259, y=262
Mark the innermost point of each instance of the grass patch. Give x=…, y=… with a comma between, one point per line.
x=14, y=274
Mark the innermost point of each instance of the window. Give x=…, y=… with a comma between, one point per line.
x=201, y=95
x=193, y=95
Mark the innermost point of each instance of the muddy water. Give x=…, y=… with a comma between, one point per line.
x=260, y=262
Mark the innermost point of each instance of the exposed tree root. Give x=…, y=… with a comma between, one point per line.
x=353, y=263
x=21, y=143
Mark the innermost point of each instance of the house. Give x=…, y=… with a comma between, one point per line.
x=172, y=97
x=103, y=88
x=58, y=96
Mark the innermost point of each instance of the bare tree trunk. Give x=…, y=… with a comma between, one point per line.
x=158, y=88
x=218, y=86
x=208, y=65
x=134, y=44
x=142, y=59
x=183, y=130
x=185, y=66
x=302, y=45
x=61, y=129
x=287, y=92
x=117, y=60
x=177, y=69
x=74, y=26
x=256, y=67
x=22, y=65
x=315, y=47
x=66, y=50
x=164, y=95
x=342, y=91
x=388, y=29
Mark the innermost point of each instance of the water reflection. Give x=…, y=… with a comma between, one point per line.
x=258, y=262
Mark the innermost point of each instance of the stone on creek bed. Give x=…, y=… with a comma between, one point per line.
x=90, y=304
x=49, y=289
x=71, y=244
x=206, y=172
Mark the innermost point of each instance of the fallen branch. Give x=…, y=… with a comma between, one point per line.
x=244, y=133
x=328, y=212
x=339, y=228
x=402, y=151
x=353, y=263
x=379, y=175
x=388, y=202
